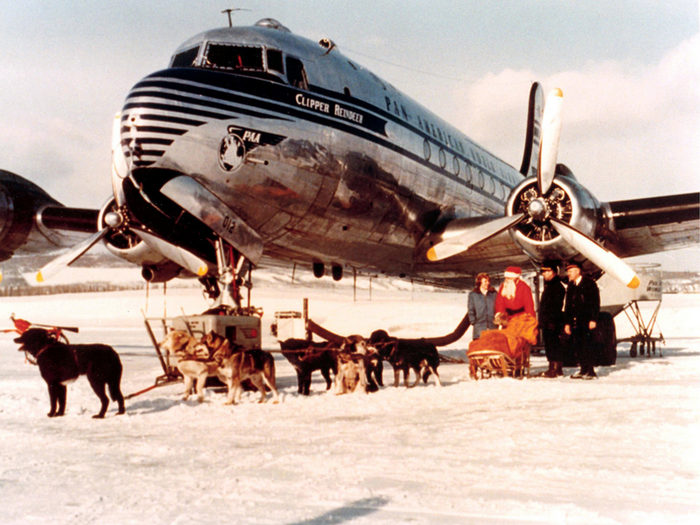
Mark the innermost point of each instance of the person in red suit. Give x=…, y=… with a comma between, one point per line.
x=514, y=296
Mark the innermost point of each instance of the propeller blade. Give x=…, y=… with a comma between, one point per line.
x=460, y=241
x=176, y=254
x=594, y=252
x=69, y=257
x=551, y=130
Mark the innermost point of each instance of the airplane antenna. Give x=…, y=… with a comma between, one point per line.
x=229, y=11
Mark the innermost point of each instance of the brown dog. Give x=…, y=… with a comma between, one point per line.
x=60, y=364
x=193, y=361
x=359, y=367
x=235, y=365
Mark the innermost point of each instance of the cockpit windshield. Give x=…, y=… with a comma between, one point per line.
x=227, y=56
x=251, y=60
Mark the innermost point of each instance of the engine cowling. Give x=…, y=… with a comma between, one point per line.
x=122, y=242
x=21, y=201
x=566, y=201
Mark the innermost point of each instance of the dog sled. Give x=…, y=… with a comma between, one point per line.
x=504, y=352
x=243, y=330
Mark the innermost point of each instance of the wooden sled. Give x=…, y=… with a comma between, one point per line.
x=484, y=364
x=504, y=353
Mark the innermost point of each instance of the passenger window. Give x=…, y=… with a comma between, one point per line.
x=296, y=73
x=274, y=61
x=186, y=58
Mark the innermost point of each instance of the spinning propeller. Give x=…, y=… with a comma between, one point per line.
x=540, y=209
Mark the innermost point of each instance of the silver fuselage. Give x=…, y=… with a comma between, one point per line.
x=344, y=169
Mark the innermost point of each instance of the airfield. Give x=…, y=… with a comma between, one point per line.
x=622, y=449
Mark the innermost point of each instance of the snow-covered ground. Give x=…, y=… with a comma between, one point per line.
x=622, y=449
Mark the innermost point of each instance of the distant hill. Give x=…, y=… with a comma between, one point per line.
x=100, y=272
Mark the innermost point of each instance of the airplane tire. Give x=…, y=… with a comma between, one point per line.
x=633, y=350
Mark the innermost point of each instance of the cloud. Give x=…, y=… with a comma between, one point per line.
x=630, y=123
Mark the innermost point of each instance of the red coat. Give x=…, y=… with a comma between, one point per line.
x=521, y=303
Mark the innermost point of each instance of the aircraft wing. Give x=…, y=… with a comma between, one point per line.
x=656, y=224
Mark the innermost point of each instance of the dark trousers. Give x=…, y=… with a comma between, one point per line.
x=581, y=342
x=551, y=337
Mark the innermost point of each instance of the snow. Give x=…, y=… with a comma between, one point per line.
x=621, y=449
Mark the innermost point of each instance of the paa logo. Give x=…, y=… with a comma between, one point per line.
x=231, y=152
x=235, y=146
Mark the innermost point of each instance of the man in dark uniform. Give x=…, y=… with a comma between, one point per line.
x=581, y=309
x=551, y=318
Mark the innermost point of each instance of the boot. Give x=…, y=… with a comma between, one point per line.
x=590, y=373
x=551, y=372
x=579, y=374
x=558, y=368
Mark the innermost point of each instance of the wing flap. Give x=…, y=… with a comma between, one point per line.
x=643, y=226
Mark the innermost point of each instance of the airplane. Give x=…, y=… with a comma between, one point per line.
x=256, y=145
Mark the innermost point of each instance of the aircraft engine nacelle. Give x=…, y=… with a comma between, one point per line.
x=566, y=201
x=32, y=221
x=122, y=242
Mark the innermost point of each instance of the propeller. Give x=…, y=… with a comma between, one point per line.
x=463, y=235
x=549, y=145
x=69, y=257
x=602, y=257
x=112, y=219
x=461, y=242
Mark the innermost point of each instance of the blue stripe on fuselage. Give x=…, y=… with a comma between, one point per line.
x=279, y=99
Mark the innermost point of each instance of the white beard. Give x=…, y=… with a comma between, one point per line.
x=508, y=289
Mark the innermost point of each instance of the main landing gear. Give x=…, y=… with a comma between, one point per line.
x=643, y=339
x=225, y=290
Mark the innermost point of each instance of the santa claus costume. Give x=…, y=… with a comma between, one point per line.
x=514, y=296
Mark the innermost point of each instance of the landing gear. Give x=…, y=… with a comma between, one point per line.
x=225, y=290
x=643, y=340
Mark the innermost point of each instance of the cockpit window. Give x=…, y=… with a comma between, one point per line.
x=254, y=61
x=224, y=56
x=186, y=58
x=274, y=61
x=296, y=73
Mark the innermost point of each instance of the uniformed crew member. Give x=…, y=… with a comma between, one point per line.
x=551, y=318
x=581, y=310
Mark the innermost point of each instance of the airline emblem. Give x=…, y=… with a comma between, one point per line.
x=239, y=142
x=231, y=152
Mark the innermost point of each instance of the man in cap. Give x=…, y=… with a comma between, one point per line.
x=514, y=296
x=581, y=309
x=551, y=318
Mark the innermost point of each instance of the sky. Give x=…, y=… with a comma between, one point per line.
x=629, y=70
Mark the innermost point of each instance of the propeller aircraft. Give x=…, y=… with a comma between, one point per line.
x=258, y=145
